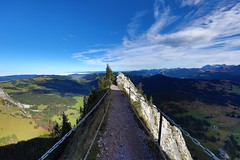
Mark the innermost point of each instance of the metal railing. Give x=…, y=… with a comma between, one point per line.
x=194, y=140
x=149, y=132
x=100, y=125
x=49, y=151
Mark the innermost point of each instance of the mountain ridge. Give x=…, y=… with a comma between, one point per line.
x=207, y=72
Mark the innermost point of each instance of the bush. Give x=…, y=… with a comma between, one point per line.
x=232, y=147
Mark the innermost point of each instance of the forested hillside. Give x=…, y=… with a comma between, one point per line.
x=208, y=109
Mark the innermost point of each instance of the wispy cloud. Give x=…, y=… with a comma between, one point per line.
x=134, y=26
x=88, y=53
x=202, y=37
x=157, y=7
x=190, y=2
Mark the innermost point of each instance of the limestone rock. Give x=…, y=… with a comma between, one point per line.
x=172, y=141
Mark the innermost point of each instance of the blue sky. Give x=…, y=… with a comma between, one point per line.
x=65, y=36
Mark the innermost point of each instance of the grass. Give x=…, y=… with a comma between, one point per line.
x=11, y=124
x=235, y=89
x=57, y=119
x=79, y=103
x=8, y=139
x=42, y=90
x=42, y=107
x=72, y=116
x=196, y=152
x=20, y=86
x=46, y=99
x=49, y=96
x=42, y=78
x=225, y=125
x=198, y=113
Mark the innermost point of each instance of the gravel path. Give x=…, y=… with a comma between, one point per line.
x=123, y=139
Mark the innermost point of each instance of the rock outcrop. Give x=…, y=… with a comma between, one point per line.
x=172, y=141
x=5, y=96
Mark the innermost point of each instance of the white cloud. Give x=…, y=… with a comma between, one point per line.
x=159, y=24
x=135, y=24
x=208, y=39
x=184, y=38
x=190, y=2
x=157, y=5
x=86, y=53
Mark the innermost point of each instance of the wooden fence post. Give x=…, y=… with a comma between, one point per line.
x=160, y=129
x=129, y=93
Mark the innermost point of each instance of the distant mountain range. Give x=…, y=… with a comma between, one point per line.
x=207, y=72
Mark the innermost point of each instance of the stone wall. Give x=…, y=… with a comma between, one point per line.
x=172, y=141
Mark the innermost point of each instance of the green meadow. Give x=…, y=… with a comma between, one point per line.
x=15, y=126
x=49, y=97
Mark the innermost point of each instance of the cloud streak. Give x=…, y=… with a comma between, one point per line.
x=190, y=2
x=202, y=37
x=133, y=27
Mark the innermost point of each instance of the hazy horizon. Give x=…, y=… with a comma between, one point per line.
x=89, y=72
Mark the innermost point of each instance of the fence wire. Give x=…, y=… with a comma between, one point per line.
x=145, y=127
x=45, y=155
x=194, y=140
x=100, y=125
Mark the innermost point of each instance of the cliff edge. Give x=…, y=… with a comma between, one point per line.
x=172, y=141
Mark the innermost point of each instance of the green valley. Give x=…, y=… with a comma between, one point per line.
x=49, y=97
x=16, y=126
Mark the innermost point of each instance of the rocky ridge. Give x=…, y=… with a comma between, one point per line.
x=172, y=141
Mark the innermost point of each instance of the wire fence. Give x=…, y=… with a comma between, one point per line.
x=59, y=142
x=149, y=132
x=100, y=125
x=194, y=140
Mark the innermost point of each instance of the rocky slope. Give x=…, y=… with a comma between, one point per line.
x=172, y=141
x=5, y=96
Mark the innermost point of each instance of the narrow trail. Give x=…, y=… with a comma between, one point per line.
x=123, y=139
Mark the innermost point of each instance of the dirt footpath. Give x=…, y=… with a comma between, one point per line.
x=123, y=139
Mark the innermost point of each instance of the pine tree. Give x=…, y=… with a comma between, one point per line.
x=109, y=75
x=56, y=131
x=151, y=100
x=139, y=87
x=92, y=97
x=102, y=83
x=66, y=126
x=105, y=81
x=85, y=104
